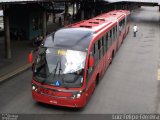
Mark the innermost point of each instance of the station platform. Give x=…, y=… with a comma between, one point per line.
x=20, y=50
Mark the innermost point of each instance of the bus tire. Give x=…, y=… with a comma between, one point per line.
x=94, y=86
x=97, y=79
x=112, y=57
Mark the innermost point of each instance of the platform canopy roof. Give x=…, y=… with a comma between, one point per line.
x=147, y=1
x=11, y=1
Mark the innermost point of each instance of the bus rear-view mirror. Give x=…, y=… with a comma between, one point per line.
x=30, y=58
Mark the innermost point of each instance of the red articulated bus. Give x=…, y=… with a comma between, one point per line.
x=70, y=62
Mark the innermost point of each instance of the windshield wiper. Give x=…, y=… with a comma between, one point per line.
x=60, y=69
x=55, y=69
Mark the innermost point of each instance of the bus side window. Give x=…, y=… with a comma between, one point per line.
x=121, y=25
x=111, y=36
x=106, y=42
x=96, y=53
x=109, y=40
x=102, y=46
x=99, y=48
x=116, y=32
x=125, y=21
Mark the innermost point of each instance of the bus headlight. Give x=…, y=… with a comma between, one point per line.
x=77, y=94
x=34, y=88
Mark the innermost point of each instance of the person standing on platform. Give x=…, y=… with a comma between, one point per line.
x=135, y=30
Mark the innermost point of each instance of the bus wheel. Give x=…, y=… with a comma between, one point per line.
x=94, y=86
x=112, y=57
x=97, y=79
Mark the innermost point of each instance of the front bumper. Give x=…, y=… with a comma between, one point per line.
x=58, y=101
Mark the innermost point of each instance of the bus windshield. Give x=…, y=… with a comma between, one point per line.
x=60, y=67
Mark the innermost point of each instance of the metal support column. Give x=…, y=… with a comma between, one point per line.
x=7, y=35
x=53, y=17
x=66, y=14
x=82, y=14
x=44, y=27
x=73, y=15
x=82, y=10
x=77, y=7
x=93, y=11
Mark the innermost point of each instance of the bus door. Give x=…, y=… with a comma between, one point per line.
x=102, y=50
x=119, y=31
x=106, y=49
x=91, y=74
x=116, y=36
x=110, y=49
x=101, y=63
